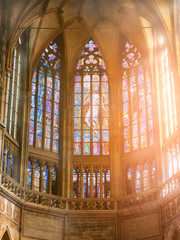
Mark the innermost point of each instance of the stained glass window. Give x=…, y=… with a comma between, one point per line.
x=29, y=175
x=137, y=101
x=13, y=93
x=45, y=100
x=137, y=179
x=172, y=158
x=129, y=181
x=91, y=104
x=153, y=174
x=36, y=177
x=146, y=184
x=54, y=190
x=169, y=115
x=45, y=179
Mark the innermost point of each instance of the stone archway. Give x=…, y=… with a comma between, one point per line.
x=6, y=235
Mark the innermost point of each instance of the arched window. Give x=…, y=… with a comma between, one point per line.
x=146, y=184
x=138, y=179
x=45, y=100
x=36, y=177
x=13, y=92
x=153, y=174
x=45, y=179
x=29, y=175
x=169, y=116
x=91, y=104
x=137, y=102
x=129, y=181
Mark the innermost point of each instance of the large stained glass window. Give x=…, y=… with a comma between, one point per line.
x=91, y=104
x=169, y=115
x=137, y=101
x=45, y=100
x=172, y=159
x=13, y=92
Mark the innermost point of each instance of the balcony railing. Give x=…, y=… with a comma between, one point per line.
x=27, y=196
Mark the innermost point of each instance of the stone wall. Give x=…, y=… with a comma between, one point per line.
x=91, y=228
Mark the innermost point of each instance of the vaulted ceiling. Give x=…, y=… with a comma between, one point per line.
x=104, y=20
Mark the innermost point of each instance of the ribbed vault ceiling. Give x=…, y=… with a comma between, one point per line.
x=104, y=20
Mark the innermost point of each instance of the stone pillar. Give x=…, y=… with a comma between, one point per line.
x=81, y=182
x=101, y=182
x=91, y=183
x=41, y=177
x=10, y=159
x=32, y=176
x=5, y=159
x=49, y=179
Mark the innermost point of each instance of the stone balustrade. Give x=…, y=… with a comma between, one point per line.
x=27, y=196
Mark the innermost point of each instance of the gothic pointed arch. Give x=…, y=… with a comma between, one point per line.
x=91, y=103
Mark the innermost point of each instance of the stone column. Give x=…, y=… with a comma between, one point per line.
x=41, y=177
x=91, y=183
x=101, y=182
x=49, y=179
x=81, y=182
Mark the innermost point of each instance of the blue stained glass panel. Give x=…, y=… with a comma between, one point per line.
x=96, y=148
x=40, y=103
x=57, y=85
x=77, y=111
x=34, y=76
x=95, y=87
x=47, y=143
x=39, y=116
x=56, y=108
x=86, y=136
x=104, y=87
x=125, y=96
x=48, y=118
x=77, y=136
x=149, y=101
x=86, y=87
x=143, y=141
x=33, y=88
x=77, y=123
x=31, y=129
x=49, y=82
x=41, y=91
x=87, y=123
x=86, y=148
x=95, y=99
x=49, y=94
x=96, y=136
x=105, y=99
x=105, y=148
x=86, y=78
x=77, y=99
x=47, y=131
x=31, y=139
x=56, y=96
x=77, y=78
x=143, y=128
x=33, y=99
x=32, y=114
x=48, y=106
x=55, y=145
x=105, y=123
x=105, y=136
x=77, y=87
x=39, y=129
x=56, y=134
x=56, y=121
x=104, y=77
x=126, y=120
x=77, y=148
x=95, y=123
x=126, y=133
